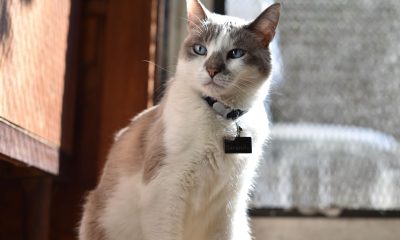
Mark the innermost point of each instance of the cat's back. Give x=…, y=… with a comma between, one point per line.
x=137, y=152
x=138, y=145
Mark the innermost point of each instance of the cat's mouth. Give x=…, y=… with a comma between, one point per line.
x=213, y=88
x=213, y=84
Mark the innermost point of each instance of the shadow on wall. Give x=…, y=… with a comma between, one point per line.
x=5, y=31
x=26, y=2
x=6, y=27
x=5, y=22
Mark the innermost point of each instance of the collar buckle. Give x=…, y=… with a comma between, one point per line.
x=223, y=110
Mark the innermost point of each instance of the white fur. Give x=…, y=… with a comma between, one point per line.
x=200, y=192
x=197, y=181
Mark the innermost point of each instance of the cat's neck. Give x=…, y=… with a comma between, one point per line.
x=190, y=97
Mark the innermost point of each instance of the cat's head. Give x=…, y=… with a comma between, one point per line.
x=226, y=57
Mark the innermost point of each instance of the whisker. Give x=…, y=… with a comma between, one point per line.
x=158, y=66
x=199, y=28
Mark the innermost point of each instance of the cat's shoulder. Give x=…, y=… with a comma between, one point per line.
x=141, y=120
x=150, y=113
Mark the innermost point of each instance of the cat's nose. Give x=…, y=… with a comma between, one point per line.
x=212, y=72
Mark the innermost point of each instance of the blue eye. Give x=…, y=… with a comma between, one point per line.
x=236, y=53
x=200, y=49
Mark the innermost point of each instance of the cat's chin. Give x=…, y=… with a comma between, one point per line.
x=213, y=89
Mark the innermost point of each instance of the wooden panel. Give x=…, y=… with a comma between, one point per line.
x=111, y=89
x=37, y=197
x=24, y=204
x=36, y=111
x=114, y=81
x=124, y=91
x=18, y=146
x=11, y=200
x=89, y=93
x=32, y=63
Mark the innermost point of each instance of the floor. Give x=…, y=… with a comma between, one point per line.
x=325, y=229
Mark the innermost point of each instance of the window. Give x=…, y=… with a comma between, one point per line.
x=334, y=153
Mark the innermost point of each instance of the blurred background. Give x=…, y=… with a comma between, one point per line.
x=74, y=72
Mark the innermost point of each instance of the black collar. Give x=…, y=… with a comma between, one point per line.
x=223, y=110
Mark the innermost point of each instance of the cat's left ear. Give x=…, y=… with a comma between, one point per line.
x=265, y=24
x=196, y=13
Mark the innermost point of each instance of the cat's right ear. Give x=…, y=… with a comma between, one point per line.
x=196, y=12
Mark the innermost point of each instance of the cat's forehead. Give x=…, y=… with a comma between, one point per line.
x=220, y=34
x=224, y=20
x=219, y=25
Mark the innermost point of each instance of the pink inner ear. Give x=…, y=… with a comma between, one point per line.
x=266, y=23
x=196, y=13
x=266, y=30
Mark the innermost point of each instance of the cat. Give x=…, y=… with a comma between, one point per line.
x=183, y=169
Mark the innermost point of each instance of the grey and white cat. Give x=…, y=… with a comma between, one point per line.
x=167, y=176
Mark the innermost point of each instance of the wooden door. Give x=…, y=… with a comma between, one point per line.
x=33, y=47
x=113, y=86
x=71, y=74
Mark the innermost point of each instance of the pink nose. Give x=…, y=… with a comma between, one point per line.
x=212, y=72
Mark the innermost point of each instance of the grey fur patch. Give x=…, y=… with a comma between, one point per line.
x=147, y=153
x=216, y=61
x=155, y=151
x=204, y=34
x=95, y=203
x=256, y=54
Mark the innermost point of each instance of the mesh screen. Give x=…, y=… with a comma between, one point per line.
x=341, y=78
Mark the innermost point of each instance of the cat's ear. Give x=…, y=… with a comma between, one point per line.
x=265, y=24
x=196, y=12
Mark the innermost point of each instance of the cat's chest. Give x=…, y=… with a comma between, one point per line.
x=210, y=170
x=197, y=143
x=198, y=132
x=198, y=137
